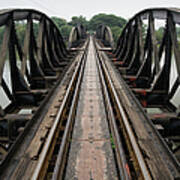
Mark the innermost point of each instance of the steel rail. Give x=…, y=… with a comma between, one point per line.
x=139, y=157
x=160, y=154
x=120, y=154
x=59, y=167
x=52, y=133
x=7, y=164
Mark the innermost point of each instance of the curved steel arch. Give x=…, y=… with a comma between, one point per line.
x=158, y=13
x=144, y=63
x=104, y=34
x=73, y=36
x=77, y=35
x=22, y=14
x=41, y=55
x=37, y=59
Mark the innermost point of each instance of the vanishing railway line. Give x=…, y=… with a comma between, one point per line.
x=129, y=158
x=129, y=117
x=130, y=162
x=89, y=114
x=54, y=154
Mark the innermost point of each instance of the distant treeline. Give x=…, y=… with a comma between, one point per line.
x=114, y=22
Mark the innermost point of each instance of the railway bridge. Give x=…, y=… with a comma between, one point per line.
x=90, y=108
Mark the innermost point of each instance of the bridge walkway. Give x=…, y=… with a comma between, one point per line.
x=91, y=155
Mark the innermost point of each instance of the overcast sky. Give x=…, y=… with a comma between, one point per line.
x=68, y=8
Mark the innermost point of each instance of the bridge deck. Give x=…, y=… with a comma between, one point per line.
x=91, y=154
x=90, y=111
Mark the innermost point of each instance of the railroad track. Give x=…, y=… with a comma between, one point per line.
x=52, y=161
x=28, y=149
x=129, y=158
x=135, y=156
x=131, y=164
x=132, y=159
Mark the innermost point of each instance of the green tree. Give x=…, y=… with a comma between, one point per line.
x=116, y=23
x=159, y=34
x=116, y=31
x=63, y=26
x=59, y=21
x=20, y=31
x=2, y=29
x=65, y=31
x=178, y=32
x=109, y=20
x=75, y=20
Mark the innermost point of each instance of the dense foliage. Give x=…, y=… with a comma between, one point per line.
x=110, y=20
x=63, y=26
x=116, y=23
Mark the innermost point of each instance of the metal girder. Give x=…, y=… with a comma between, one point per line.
x=77, y=36
x=33, y=60
x=40, y=54
x=148, y=62
x=104, y=34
